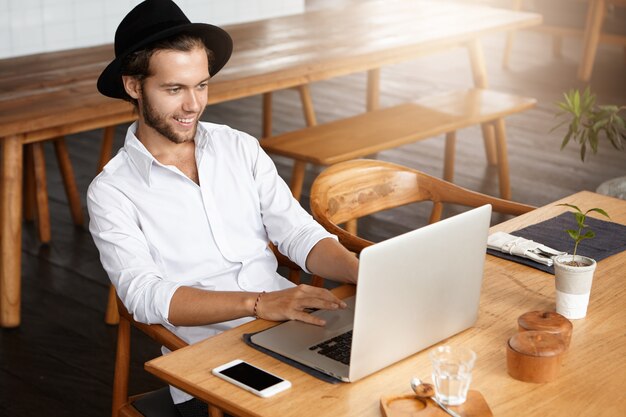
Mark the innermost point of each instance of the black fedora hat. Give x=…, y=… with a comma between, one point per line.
x=151, y=21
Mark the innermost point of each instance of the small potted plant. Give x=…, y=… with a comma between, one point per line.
x=588, y=122
x=574, y=273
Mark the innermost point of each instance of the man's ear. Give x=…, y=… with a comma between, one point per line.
x=132, y=86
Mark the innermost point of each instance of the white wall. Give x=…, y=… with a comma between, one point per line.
x=32, y=26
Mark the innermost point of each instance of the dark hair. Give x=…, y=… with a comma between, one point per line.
x=137, y=64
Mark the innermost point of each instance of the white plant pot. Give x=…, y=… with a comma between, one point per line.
x=573, y=285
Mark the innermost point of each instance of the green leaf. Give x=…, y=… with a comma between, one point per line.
x=570, y=206
x=574, y=234
x=599, y=210
x=583, y=148
x=566, y=138
x=580, y=219
x=593, y=141
x=576, y=103
x=590, y=234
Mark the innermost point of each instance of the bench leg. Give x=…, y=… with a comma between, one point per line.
x=503, y=162
x=297, y=179
x=41, y=192
x=267, y=115
x=373, y=89
x=106, y=149
x=215, y=412
x=67, y=173
x=448, y=160
x=299, y=167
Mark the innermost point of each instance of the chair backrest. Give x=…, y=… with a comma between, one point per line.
x=349, y=190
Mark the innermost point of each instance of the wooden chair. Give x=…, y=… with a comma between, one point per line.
x=349, y=190
x=592, y=34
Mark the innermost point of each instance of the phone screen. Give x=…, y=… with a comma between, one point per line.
x=251, y=376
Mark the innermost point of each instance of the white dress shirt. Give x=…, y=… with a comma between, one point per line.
x=157, y=230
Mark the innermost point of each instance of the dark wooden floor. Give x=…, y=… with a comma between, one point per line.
x=60, y=361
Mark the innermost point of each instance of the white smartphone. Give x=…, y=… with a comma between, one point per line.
x=251, y=378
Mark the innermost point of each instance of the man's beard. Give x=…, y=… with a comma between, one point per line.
x=158, y=122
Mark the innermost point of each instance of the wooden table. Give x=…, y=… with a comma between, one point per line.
x=48, y=95
x=591, y=380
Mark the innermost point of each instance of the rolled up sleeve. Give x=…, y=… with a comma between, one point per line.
x=126, y=256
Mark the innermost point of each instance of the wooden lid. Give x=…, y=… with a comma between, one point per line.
x=549, y=321
x=537, y=343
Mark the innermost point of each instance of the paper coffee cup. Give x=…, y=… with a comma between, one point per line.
x=573, y=286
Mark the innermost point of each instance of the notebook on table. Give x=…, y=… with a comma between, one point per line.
x=413, y=291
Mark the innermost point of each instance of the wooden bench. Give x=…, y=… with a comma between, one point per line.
x=387, y=128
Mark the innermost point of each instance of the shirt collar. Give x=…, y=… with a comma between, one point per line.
x=143, y=159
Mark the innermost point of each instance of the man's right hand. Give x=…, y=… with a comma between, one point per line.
x=290, y=304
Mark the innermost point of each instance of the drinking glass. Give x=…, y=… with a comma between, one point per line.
x=452, y=373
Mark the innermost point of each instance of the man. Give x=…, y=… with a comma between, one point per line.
x=183, y=214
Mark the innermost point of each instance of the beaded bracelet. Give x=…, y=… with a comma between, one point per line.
x=256, y=304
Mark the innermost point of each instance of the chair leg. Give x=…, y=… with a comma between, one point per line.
x=41, y=193
x=122, y=363
x=517, y=5
x=448, y=159
x=479, y=74
x=435, y=214
x=112, y=316
x=490, y=146
x=67, y=173
x=593, y=28
x=267, y=115
x=503, y=161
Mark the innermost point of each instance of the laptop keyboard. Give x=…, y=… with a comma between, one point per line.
x=337, y=348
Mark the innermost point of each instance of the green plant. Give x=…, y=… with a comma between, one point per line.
x=587, y=121
x=578, y=235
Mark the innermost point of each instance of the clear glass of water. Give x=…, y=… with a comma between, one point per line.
x=452, y=373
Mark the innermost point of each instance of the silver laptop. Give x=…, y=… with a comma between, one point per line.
x=414, y=290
